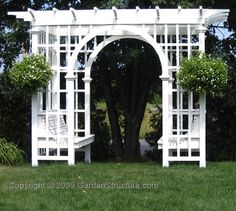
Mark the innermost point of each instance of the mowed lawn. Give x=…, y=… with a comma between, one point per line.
x=118, y=186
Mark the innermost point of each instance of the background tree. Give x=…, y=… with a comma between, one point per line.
x=127, y=69
x=221, y=112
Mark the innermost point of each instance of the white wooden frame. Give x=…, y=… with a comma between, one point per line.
x=66, y=36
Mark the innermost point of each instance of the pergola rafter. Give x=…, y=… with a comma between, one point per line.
x=72, y=39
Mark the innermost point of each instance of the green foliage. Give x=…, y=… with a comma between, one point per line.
x=202, y=73
x=221, y=115
x=14, y=113
x=152, y=137
x=101, y=148
x=31, y=74
x=10, y=153
x=176, y=3
x=117, y=3
x=156, y=100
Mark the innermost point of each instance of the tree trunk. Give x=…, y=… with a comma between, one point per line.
x=135, y=112
x=117, y=145
x=132, y=145
x=133, y=80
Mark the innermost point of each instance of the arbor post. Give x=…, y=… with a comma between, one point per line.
x=202, y=131
x=87, y=81
x=34, y=110
x=165, y=118
x=34, y=127
x=202, y=102
x=70, y=78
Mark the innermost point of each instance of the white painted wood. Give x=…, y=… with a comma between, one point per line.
x=142, y=24
x=34, y=111
x=122, y=16
x=70, y=116
x=87, y=82
x=56, y=158
x=184, y=159
x=202, y=131
x=165, y=117
x=202, y=102
x=121, y=31
x=34, y=127
x=192, y=135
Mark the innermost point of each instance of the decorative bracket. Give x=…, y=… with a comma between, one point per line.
x=87, y=79
x=201, y=29
x=70, y=76
x=73, y=13
x=158, y=12
x=95, y=9
x=200, y=11
x=165, y=77
x=55, y=10
x=179, y=9
x=31, y=11
x=115, y=12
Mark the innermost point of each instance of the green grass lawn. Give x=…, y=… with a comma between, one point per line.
x=62, y=187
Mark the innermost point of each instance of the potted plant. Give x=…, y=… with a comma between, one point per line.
x=31, y=74
x=203, y=74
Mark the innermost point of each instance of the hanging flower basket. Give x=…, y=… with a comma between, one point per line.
x=31, y=74
x=203, y=74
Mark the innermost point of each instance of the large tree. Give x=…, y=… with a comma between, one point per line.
x=127, y=70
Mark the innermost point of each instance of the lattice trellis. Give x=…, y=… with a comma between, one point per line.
x=71, y=40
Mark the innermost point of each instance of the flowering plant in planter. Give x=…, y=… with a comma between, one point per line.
x=31, y=74
x=201, y=74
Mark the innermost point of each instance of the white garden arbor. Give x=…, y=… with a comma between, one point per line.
x=71, y=40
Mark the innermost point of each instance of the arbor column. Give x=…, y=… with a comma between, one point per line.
x=34, y=128
x=202, y=102
x=70, y=78
x=202, y=130
x=34, y=111
x=87, y=81
x=165, y=120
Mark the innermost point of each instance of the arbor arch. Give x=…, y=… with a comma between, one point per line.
x=60, y=35
x=137, y=34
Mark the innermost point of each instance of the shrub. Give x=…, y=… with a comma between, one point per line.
x=101, y=148
x=32, y=74
x=10, y=153
x=201, y=74
x=152, y=137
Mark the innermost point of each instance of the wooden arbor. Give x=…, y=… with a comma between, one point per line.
x=71, y=40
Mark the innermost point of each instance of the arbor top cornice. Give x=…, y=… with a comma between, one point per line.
x=116, y=16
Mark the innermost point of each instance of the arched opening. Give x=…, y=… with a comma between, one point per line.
x=125, y=77
x=105, y=31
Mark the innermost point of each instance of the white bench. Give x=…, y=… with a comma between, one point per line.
x=53, y=137
x=193, y=137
